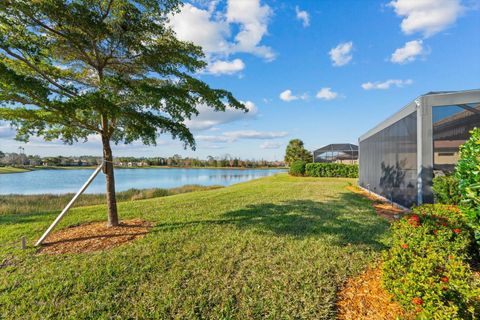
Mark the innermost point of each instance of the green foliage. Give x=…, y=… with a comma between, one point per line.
x=468, y=174
x=427, y=268
x=296, y=151
x=331, y=170
x=446, y=190
x=297, y=168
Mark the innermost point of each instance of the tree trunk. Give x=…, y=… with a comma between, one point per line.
x=110, y=180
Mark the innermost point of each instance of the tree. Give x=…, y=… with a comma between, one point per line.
x=296, y=151
x=72, y=69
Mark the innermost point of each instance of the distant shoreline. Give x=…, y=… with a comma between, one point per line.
x=9, y=170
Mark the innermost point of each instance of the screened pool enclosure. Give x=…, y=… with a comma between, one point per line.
x=337, y=152
x=400, y=156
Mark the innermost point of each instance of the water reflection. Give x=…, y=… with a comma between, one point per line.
x=65, y=181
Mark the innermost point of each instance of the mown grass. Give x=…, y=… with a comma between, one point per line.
x=44, y=203
x=276, y=248
x=4, y=170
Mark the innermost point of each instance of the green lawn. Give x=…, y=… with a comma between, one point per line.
x=276, y=247
x=12, y=170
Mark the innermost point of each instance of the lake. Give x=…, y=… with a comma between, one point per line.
x=68, y=181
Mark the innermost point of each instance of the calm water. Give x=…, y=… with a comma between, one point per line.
x=65, y=181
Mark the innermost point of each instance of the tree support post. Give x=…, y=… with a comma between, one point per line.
x=69, y=205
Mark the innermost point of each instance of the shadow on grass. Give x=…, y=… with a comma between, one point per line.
x=342, y=221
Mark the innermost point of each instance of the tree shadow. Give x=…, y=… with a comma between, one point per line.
x=344, y=220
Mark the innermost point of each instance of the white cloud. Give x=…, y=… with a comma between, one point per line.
x=303, y=16
x=213, y=146
x=212, y=29
x=232, y=136
x=209, y=118
x=408, y=52
x=288, y=96
x=6, y=131
x=253, y=134
x=427, y=16
x=226, y=67
x=386, y=84
x=202, y=28
x=252, y=19
x=326, y=94
x=270, y=145
x=341, y=54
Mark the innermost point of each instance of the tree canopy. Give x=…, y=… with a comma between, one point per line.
x=296, y=151
x=70, y=69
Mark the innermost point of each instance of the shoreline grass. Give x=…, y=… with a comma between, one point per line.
x=40, y=203
x=8, y=170
x=276, y=247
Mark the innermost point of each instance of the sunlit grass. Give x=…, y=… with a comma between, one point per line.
x=277, y=247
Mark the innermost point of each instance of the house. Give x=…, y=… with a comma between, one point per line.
x=400, y=156
x=338, y=153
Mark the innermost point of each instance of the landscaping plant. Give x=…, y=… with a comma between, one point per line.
x=427, y=268
x=331, y=170
x=297, y=168
x=446, y=190
x=468, y=175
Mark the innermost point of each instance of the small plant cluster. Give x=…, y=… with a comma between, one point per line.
x=467, y=172
x=331, y=170
x=297, y=168
x=427, y=269
x=446, y=190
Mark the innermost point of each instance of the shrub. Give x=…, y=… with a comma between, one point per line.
x=446, y=190
x=331, y=170
x=427, y=269
x=468, y=175
x=297, y=168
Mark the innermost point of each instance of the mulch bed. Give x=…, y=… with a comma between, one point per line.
x=95, y=236
x=384, y=209
x=363, y=297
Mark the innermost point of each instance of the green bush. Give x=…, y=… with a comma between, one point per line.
x=331, y=170
x=427, y=268
x=468, y=175
x=446, y=190
x=297, y=168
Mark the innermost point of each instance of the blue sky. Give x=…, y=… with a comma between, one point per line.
x=322, y=71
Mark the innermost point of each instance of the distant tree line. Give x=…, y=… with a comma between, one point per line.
x=226, y=161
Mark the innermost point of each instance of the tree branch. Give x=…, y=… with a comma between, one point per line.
x=66, y=92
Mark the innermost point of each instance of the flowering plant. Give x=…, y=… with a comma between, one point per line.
x=427, y=268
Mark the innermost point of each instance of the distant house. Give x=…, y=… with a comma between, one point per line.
x=337, y=153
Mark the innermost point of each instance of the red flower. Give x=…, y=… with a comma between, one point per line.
x=451, y=257
x=444, y=279
x=457, y=231
x=417, y=301
x=404, y=245
x=414, y=220
x=435, y=232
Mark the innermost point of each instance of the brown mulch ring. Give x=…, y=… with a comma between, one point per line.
x=364, y=298
x=94, y=236
x=383, y=208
